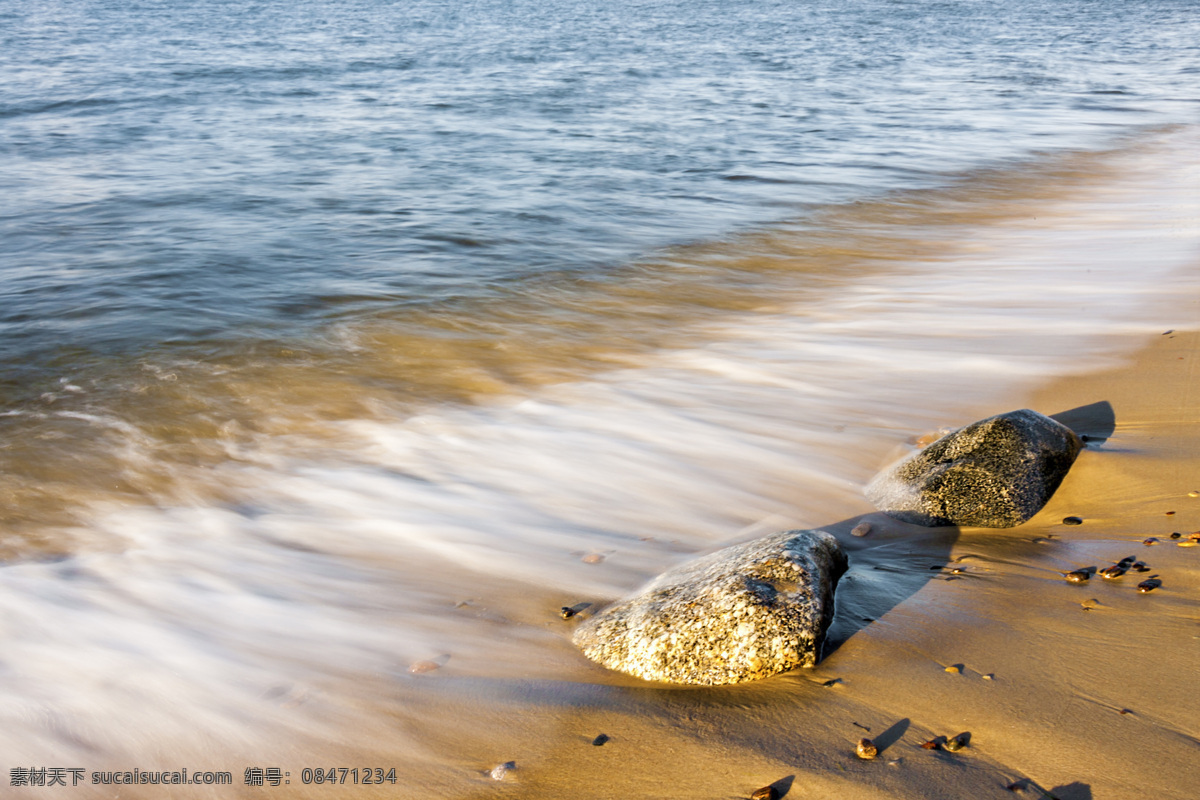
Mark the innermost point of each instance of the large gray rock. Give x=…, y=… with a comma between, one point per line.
x=742, y=613
x=995, y=473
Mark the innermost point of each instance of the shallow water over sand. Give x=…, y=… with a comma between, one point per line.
x=241, y=548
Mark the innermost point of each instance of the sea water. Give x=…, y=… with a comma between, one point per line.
x=339, y=337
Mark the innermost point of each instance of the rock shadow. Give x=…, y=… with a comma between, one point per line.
x=1094, y=423
x=1071, y=791
x=892, y=735
x=891, y=563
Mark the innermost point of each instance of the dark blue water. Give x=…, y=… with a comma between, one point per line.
x=210, y=171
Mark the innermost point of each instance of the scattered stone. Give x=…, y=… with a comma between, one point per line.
x=932, y=744
x=1088, y=605
x=601, y=739
x=1077, y=576
x=988, y=677
x=1193, y=494
x=568, y=612
x=422, y=667
x=765, y=793
x=1115, y=571
x=592, y=558
x=954, y=668
x=1140, y=566
x=866, y=749
x=1176, y=535
x=995, y=473
x=861, y=529
x=1170, y=513
x=1149, y=585
x=1150, y=540
x=1072, y=520
x=498, y=773
x=746, y=612
x=956, y=743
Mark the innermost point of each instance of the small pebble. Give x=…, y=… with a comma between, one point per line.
x=988, y=677
x=861, y=529
x=765, y=793
x=866, y=749
x=956, y=743
x=1088, y=605
x=1127, y=562
x=1170, y=513
x=422, y=667
x=593, y=558
x=1140, y=566
x=1112, y=572
x=1072, y=520
x=1149, y=585
x=1176, y=535
x=567, y=612
x=1150, y=541
x=498, y=773
x=1077, y=576
x=1193, y=494
x=955, y=668
x=932, y=744
x=601, y=739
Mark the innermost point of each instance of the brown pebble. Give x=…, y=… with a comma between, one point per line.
x=861, y=529
x=1193, y=494
x=567, y=612
x=1077, y=576
x=1072, y=520
x=1170, y=513
x=423, y=666
x=866, y=749
x=593, y=558
x=1149, y=585
x=932, y=744
x=1112, y=572
x=765, y=793
x=1150, y=541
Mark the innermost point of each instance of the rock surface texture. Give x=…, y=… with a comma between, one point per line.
x=995, y=473
x=739, y=614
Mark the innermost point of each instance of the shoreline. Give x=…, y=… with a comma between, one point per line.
x=1083, y=704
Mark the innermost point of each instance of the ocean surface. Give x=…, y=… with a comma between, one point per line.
x=337, y=337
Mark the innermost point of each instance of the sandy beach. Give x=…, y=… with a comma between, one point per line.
x=343, y=345
x=1078, y=692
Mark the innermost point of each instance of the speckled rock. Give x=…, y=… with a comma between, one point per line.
x=995, y=473
x=739, y=614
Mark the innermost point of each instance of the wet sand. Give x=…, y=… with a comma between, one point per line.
x=984, y=638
